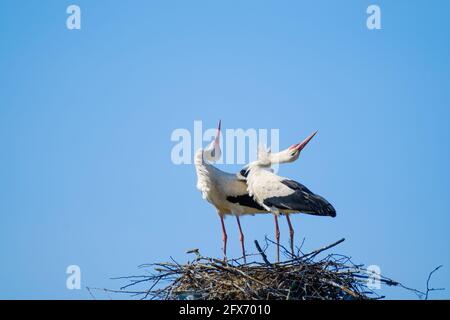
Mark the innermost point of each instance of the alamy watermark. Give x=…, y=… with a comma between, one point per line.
x=373, y=277
x=373, y=21
x=73, y=21
x=239, y=146
x=73, y=281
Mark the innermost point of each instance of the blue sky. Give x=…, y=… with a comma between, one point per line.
x=86, y=117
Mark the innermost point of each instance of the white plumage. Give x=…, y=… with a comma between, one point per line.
x=218, y=187
x=228, y=192
x=255, y=189
x=282, y=195
x=225, y=191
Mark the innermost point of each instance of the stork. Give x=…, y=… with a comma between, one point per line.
x=282, y=195
x=290, y=154
x=227, y=192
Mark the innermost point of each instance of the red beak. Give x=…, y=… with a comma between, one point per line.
x=218, y=132
x=303, y=144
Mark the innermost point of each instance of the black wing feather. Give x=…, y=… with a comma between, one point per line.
x=294, y=185
x=245, y=200
x=302, y=200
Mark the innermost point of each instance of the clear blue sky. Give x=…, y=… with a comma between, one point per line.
x=86, y=117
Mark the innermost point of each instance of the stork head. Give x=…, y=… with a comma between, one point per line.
x=293, y=152
x=212, y=153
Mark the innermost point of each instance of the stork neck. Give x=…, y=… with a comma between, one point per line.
x=280, y=157
x=259, y=164
x=198, y=159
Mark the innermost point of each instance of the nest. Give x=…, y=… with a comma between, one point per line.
x=333, y=277
x=300, y=277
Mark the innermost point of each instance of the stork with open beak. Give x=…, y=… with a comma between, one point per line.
x=282, y=195
x=227, y=192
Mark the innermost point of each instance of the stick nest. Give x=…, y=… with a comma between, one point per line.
x=300, y=277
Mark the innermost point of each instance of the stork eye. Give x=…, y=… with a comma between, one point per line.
x=293, y=153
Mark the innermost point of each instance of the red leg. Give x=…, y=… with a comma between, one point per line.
x=277, y=236
x=241, y=238
x=291, y=233
x=225, y=237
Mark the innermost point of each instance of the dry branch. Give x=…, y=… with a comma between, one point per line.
x=302, y=277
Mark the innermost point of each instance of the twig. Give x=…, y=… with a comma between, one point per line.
x=428, y=283
x=316, y=252
x=263, y=255
x=332, y=277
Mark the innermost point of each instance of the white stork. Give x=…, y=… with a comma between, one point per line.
x=282, y=195
x=225, y=191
